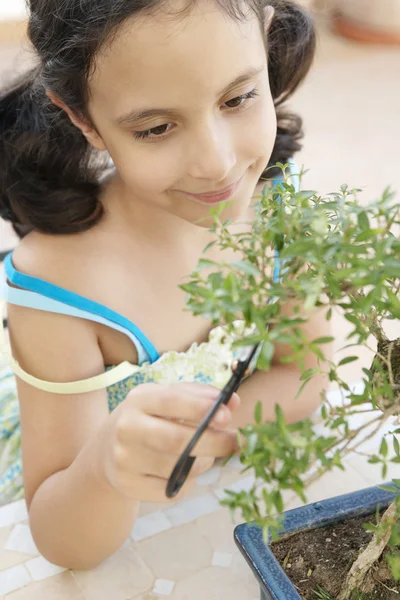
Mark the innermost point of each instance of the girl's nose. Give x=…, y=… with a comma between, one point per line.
x=213, y=155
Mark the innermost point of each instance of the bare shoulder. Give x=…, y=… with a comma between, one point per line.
x=42, y=340
x=54, y=258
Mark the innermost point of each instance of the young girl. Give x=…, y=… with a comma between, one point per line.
x=113, y=376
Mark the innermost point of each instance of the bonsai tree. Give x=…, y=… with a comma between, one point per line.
x=335, y=254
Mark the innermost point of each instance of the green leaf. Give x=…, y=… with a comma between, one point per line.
x=388, y=488
x=317, y=351
x=246, y=267
x=258, y=413
x=303, y=385
x=267, y=351
x=209, y=246
x=396, y=445
x=280, y=417
x=395, y=535
x=394, y=563
x=370, y=527
x=384, y=448
x=352, y=319
x=205, y=263
x=324, y=340
x=252, y=443
x=278, y=501
x=347, y=360
x=363, y=221
x=307, y=374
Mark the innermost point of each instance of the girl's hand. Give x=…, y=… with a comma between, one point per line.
x=152, y=427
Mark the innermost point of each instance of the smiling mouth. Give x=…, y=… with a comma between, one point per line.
x=217, y=196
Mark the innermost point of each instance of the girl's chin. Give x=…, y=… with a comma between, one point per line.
x=235, y=212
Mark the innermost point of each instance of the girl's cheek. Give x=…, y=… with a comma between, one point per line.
x=152, y=173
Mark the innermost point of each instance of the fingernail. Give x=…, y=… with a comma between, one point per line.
x=220, y=416
x=235, y=399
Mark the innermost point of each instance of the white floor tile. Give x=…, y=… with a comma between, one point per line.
x=234, y=463
x=13, y=513
x=189, y=510
x=163, y=587
x=40, y=568
x=222, y=559
x=13, y=579
x=21, y=540
x=372, y=473
x=210, y=478
x=150, y=525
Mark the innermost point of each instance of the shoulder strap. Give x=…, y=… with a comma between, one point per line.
x=92, y=384
x=64, y=296
x=38, y=302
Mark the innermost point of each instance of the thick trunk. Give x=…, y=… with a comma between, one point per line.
x=367, y=558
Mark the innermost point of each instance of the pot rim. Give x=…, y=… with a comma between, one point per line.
x=269, y=573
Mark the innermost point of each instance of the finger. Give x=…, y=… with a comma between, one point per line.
x=181, y=402
x=161, y=465
x=167, y=437
x=233, y=402
x=203, y=388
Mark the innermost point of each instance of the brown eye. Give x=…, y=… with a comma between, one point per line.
x=238, y=101
x=159, y=130
x=156, y=131
x=235, y=102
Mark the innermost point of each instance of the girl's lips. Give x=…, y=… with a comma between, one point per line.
x=215, y=197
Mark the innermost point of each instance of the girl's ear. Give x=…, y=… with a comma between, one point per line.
x=90, y=134
x=269, y=13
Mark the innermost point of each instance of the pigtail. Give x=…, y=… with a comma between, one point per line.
x=47, y=183
x=291, y=50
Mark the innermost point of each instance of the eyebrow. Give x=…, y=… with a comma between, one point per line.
x=139, y=115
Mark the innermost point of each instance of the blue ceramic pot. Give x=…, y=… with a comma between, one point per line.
x=274, y=583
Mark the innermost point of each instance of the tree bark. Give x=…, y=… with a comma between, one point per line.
x=368, y=557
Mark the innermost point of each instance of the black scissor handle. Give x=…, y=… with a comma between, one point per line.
x=185, y=461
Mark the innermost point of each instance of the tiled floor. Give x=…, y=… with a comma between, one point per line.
x=185, y=552
x=350, y=105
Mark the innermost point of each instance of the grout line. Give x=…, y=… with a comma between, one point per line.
x=84, y=597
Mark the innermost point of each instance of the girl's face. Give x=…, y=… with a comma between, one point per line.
x=184, y=108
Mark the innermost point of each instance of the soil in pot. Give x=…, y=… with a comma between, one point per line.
x=318, y=561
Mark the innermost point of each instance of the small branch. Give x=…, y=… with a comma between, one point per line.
x=368, y=557
x=381, y=420
x=376, y=328
x=354, y=433
x=388, y=588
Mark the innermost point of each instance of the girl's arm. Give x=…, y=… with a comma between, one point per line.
x=77, y=520
x=86, y=471
x=281, y=384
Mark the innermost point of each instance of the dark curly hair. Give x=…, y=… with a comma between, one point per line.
x=50, y=177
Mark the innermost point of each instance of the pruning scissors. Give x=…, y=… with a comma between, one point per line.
x=240, y=369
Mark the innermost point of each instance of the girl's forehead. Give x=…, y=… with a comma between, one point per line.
x=175, y=57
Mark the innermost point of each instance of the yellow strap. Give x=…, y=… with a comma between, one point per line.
x=98, y=382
